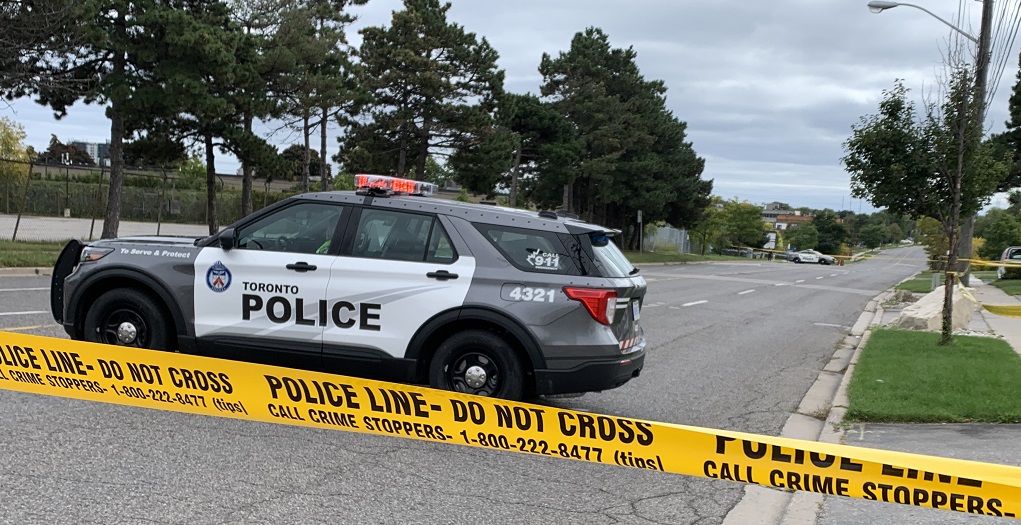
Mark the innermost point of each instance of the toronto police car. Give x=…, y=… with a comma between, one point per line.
x=383, y=283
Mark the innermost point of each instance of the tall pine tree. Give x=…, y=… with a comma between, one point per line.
x=635, y=154
x=433, y=85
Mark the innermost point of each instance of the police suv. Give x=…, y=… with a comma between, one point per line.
x=384, y=283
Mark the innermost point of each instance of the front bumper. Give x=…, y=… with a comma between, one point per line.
x=590, y=377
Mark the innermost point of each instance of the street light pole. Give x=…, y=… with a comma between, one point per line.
x=964, y=245
x=877, y=6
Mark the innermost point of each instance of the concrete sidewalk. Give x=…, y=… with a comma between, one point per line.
x=32, y=228
x=989, y=443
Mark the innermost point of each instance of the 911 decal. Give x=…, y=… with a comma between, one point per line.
x=544, y=260
x=527, y=293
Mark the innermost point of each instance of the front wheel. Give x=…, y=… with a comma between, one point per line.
x=127, y=317
x=477, y=362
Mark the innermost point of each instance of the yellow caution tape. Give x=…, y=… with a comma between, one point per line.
x=1005, y=311
x=214, y=387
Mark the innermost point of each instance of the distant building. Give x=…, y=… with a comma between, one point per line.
x=95, y=150
x=772, y=211
x=783, y=222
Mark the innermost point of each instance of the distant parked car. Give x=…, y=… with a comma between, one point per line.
x=804, y=256
x=811, y=256
x=1011, y=256
x=823, y=258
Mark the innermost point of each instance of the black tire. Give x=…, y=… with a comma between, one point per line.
x=490, y=353
x=126, y=305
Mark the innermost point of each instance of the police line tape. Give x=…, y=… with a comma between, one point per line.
x=215, y=387
x=867, y=256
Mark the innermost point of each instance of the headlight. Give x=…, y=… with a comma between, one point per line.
x=93, y=253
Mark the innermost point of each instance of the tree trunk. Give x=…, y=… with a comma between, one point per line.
x=514, y=173
x=246, y=174
x=112, y=221
x=423, y=151
x=324, y=172
x=210, y=186
x=305, y=172
x=402, y=155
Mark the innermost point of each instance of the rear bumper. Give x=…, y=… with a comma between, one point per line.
x=590, y=377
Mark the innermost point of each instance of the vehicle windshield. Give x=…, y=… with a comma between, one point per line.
x=610, y=260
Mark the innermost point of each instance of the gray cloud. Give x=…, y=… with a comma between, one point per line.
x=769, y=90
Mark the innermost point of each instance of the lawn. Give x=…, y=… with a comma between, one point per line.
x=920, y=283
x=905, y=377
x=1011, y=286
x=28, y=254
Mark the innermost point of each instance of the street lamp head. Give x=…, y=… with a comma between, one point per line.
x=878, y=6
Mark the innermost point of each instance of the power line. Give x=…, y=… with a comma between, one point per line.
x=1003, y=39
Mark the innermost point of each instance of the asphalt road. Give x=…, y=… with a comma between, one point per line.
x=732, y=346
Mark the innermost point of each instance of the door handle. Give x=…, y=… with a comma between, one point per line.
x=441, y=275
x=302, y=266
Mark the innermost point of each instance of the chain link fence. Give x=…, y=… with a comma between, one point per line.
x=55, y=202
x=668, y=239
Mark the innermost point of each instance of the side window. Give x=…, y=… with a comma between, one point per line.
x=440, y=248
x=531, y=250
x=399, y=236
x=302, y=228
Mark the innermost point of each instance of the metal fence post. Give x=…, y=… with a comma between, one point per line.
x=99, y=200
x=159, y=207
x=24, y=199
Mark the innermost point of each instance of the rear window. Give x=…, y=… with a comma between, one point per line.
x=531, y=250
x=609, y=259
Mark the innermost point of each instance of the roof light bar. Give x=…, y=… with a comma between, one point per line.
x=394, y=185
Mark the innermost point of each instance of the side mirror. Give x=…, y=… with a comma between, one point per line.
x=226, y=238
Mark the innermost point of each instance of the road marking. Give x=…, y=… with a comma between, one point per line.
x=693, y=303
x=23, y=289
x=744, y=292
x=820, y=277
x=780, y=284
x=833, y=275
x=800, y=281
x=674, y=307
x=829, y=325
x=30, y=312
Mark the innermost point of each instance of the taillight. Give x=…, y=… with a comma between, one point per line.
x=601, y=303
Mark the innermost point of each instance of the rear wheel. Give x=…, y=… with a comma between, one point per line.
x=127, y=317
x=477, y=362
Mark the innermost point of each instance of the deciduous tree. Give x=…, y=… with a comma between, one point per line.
x=933, y=166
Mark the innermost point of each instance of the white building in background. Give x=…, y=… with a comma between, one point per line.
x=95, y=150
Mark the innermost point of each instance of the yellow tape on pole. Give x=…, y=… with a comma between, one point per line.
x=201, y=385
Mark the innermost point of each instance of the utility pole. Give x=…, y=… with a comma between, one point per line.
x=964, y=246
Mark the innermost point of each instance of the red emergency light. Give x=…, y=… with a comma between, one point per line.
x=394, y=184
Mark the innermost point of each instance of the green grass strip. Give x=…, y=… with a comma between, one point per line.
x=904, y=376
x=18, y=254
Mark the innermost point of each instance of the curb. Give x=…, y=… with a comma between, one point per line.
x=26, y=271
x=828, y=393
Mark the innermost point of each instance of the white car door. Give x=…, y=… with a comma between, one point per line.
x=270, y=288
x=402, y=270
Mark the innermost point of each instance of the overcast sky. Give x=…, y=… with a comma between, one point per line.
x=769, y=89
